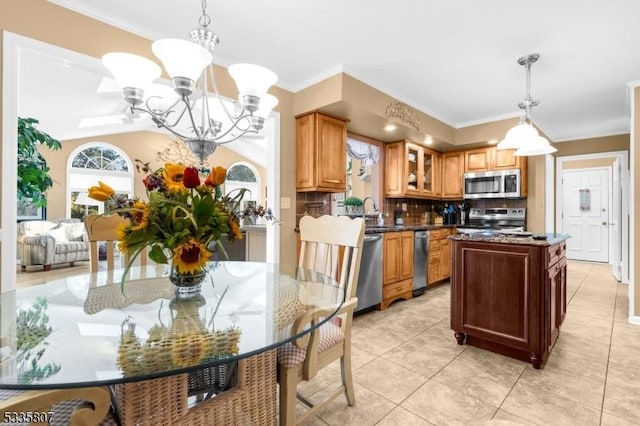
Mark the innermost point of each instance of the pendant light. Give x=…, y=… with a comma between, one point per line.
x=523, y=137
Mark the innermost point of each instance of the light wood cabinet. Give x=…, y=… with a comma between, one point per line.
x=439, y=264
x=411, y=170
x=397, y=267
x=477, y=160
x=490, y=158
x=321, y=153
x=452, y=171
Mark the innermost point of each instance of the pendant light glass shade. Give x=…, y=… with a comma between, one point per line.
x=181, y=58
x=131, y=71
x=540, y=146
x=267, y=103
x=252, y=80
x=518, y=136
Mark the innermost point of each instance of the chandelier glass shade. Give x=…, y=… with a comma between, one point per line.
x=203, y=120
x=523, y=137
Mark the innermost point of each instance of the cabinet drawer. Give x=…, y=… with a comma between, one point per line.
x=555, y=253
x=392, y=290
x=435, y=246
x=438, y=234
x=434, y=256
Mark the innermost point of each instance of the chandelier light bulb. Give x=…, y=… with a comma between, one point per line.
x=267, y=103
x=182, y=58
x=131, y=71
x=252, y=80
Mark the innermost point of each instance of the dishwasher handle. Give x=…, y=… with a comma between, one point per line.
x=372, y=237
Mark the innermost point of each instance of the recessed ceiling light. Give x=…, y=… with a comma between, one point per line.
x=492, y=141
x=428, y=140
x=389, y=127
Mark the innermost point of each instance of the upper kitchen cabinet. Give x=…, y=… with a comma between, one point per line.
x=321, y=153
x=485, y=159
x=452, y=171
x=411, y=170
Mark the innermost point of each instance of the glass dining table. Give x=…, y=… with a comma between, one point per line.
x=161, y=356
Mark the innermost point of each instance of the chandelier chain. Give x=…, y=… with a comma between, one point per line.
x=205, y=19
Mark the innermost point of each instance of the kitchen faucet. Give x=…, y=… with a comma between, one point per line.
x=375, y=208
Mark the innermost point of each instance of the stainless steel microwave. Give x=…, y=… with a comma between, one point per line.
x=492, y=184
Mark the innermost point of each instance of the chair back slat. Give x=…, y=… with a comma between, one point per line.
x=103, y=228
x=330, y=246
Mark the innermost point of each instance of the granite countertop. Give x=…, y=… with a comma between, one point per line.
x=551, y=238
x=373, y=229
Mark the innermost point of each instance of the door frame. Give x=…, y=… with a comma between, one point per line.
x=623, y=203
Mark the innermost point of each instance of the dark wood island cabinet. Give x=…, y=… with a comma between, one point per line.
x=508, y=293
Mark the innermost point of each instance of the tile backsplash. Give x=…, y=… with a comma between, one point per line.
x=319, y=203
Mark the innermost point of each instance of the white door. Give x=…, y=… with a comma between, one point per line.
x=615, y=221
x=585, y=215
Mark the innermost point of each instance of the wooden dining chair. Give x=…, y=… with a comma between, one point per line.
x=103, y=228
x=329, y=246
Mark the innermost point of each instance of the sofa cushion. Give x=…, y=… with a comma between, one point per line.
x=74, y=231
x=58, y=233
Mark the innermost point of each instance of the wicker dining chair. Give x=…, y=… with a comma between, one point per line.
x=330, y=246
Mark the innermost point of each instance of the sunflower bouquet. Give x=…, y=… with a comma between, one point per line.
x=184, y=214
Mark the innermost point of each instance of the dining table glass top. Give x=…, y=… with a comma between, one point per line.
x=88, y=330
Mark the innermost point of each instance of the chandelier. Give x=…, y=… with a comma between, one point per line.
x=201, y=120
x=524, y=138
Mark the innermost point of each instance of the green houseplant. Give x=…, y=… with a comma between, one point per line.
x=353, y=205
x=33, y=172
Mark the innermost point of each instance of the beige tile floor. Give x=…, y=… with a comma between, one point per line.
x=409, y=370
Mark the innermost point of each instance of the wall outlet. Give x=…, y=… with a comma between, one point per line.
x=404, y=207
x=285, y=202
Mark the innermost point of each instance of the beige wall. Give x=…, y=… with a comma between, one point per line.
x=44, y=21
x=593, y=145
x=634, y=238
x=136, y=146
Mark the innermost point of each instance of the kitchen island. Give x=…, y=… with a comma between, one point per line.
x=508, y=292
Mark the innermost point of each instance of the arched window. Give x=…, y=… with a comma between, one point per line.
x=244, y=175
x=92, y=162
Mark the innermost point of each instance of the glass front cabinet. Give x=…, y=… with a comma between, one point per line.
x=411, y=171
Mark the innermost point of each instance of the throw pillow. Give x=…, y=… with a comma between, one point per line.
x=58, y=233
x=74, y=231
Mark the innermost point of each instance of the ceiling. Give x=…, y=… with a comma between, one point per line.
x=455, y=60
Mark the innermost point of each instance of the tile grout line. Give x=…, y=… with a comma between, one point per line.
x=509, y=393
x=606, y=373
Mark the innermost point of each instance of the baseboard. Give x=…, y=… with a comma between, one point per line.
x=634, y=320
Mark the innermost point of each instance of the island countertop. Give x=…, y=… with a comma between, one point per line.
x=520, y=239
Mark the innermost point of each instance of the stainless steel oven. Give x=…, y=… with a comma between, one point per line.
x=495, y=220
x=492, y=184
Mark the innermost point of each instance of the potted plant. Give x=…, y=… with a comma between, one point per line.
x=353, y=205
x=33, y=172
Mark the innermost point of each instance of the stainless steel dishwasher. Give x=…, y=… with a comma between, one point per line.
x=369, y=290
x=420, y=259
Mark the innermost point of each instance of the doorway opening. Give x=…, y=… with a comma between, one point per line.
x=615, y=218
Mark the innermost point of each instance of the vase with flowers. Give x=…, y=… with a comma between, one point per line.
x=184, y=214
x=252, y=214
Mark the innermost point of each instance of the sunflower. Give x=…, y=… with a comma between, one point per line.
x=140, y=215
x=235, y=229
x=123, y=230
x=190, y=257
x=173, y=175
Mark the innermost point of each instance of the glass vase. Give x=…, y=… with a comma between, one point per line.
x=187, y=285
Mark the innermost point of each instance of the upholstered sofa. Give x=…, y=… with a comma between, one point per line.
x=46, y=243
